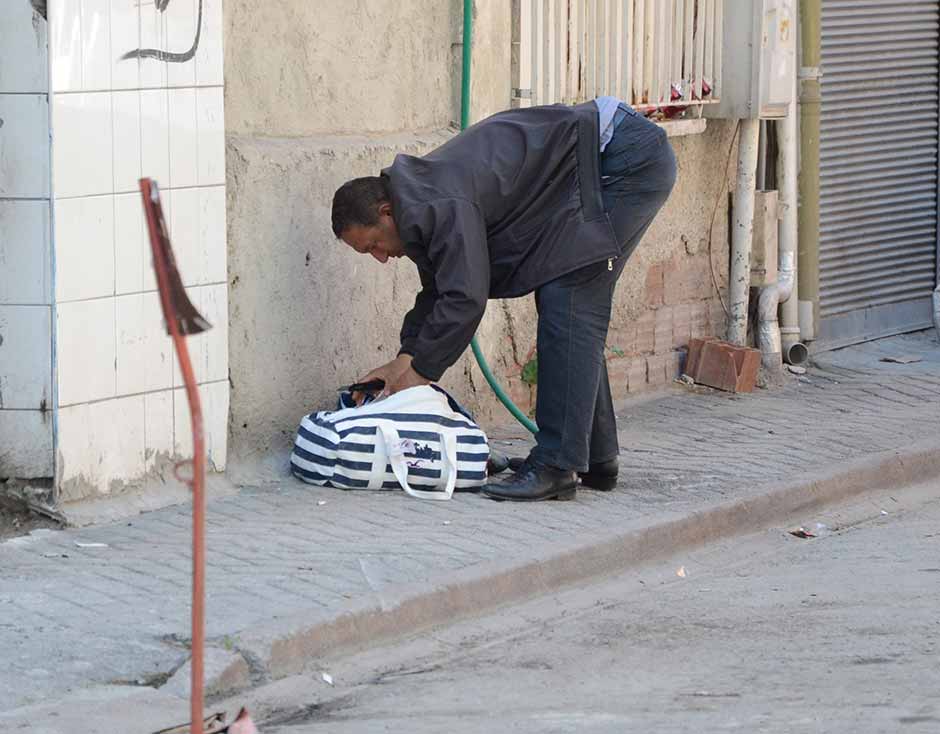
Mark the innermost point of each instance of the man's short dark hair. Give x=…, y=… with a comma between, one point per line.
x=357, y=202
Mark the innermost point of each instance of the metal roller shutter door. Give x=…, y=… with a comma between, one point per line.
x=878, y=168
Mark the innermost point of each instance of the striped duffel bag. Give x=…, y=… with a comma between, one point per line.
x=419, y=439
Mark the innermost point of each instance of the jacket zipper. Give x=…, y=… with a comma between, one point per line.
x=610, y=263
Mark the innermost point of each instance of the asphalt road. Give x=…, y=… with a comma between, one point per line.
x=765, y=633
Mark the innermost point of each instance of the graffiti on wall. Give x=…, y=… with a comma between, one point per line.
x=169, y=56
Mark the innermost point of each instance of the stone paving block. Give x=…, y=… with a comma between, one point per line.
x=275, y=551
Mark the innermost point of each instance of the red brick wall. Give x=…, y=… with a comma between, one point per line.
x=681, y=303
x=647, y=352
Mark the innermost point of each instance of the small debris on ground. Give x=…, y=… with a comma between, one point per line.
x=327, y=678
x=447, y=522
x=709, y=694
x=55, y=555
x=802, y=533
x=906, y=359
x=79, y=544
x=820, y=530
x=18, y=519
x=681, y=573
x=883, y=512
x=796, y=369
x=320, y=503
x=685, y=380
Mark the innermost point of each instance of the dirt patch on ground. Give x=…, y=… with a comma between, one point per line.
x=14, y=523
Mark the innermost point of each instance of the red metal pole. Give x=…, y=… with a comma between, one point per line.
x=164, y=266
x=199, y=535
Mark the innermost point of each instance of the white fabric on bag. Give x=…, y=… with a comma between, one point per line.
x=416, y=439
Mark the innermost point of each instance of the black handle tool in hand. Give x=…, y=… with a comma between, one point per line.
x=369, y=387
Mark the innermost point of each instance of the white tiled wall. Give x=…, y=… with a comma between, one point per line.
x=102, y=444
x=26, y=399
x=113, y=121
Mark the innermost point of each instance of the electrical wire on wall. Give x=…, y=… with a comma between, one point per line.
x=723, y=193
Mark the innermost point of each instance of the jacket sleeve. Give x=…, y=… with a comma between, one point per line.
x=460, y=265
x=415, y=318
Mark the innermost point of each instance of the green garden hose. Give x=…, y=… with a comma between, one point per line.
x=464, y=121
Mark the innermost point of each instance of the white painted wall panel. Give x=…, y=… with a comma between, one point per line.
x=24, y=146
x=26, y=443
x=25, y=357
x=23, y=49
x=25, y=268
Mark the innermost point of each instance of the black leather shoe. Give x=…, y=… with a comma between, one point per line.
x=602, y=476
x=533, y=482
x=498, y=463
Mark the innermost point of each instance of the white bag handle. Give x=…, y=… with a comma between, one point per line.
x=396, y=457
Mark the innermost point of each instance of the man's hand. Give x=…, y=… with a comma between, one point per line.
x=390, y=372
x=408, y=378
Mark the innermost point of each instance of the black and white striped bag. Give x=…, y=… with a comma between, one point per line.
x=418, y=439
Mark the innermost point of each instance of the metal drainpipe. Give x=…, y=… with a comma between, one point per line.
x=783, y=342
x=743, y=230
x=936, y=307
x=794, y=351
x=810, y=103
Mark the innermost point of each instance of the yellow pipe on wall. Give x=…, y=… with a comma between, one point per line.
x=810, y=104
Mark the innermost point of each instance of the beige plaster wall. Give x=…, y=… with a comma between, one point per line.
x=310, y=67
x=337, y=95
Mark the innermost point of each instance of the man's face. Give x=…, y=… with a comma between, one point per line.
x=380, y=240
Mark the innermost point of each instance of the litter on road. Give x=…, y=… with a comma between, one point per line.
x=907, y=359
x=802, y=533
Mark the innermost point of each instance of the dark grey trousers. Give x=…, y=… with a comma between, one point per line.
x=574, y=409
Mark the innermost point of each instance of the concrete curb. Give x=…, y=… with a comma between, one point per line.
x=284, y=647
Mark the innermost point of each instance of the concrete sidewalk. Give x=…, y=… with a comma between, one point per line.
x=293, y=569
